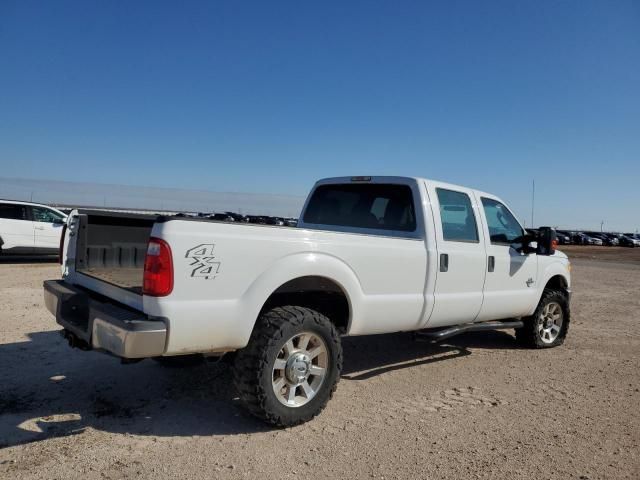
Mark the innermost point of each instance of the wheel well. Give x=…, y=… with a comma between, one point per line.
x=557, y=282
x=317, y=293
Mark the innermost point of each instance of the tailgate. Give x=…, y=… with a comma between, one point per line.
x=106, y=253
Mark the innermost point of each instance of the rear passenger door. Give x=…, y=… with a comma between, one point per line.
x=16, y=228
x=461, y=256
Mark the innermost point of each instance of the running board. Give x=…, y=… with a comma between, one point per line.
x=437, y=335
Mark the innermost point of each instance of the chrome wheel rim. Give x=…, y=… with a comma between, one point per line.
x=550, y=322
x=299, y=369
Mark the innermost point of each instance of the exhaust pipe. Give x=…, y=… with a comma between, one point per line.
x=74, y=341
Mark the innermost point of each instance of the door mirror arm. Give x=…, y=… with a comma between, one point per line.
x=523, y=244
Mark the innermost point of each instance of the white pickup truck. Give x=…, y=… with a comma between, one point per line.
x=369, y=255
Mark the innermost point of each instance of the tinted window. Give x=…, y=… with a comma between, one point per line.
x=44, y=215
x=13, y=212
x=503, y=226
x=376, y=206
x=456, y=214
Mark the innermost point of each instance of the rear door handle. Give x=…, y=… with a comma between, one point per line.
x=39, y=228
x=444, y=262
x=492, y=263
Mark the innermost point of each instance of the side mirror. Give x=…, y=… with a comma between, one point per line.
x=547, y=241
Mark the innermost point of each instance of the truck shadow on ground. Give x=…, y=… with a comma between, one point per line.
x=48, y=390
x=26, y=259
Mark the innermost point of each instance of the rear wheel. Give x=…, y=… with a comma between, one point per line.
x=291, y=366
x=549, y=324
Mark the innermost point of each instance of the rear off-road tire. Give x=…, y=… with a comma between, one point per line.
x=549, y=324
x=291, y=366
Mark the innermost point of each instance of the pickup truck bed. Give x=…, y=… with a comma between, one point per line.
x=128, y=278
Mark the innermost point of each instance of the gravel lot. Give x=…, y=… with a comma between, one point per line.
x=477, y=407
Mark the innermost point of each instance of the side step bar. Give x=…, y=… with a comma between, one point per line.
x=437, y=335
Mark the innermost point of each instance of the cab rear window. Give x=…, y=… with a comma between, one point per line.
x=372, y=206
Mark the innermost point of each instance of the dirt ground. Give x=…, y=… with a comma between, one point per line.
x=477, y=407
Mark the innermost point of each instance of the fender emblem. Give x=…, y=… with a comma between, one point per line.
x=204, y=263
x=530, y=282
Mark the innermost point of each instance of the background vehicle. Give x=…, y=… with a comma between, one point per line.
x=584, y=239
x=627, y=241
x=604, y=239
x=224, y=217
x=27, y=228
x=563, y=237
x=366, y=258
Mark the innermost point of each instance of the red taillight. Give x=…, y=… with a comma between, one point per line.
x=60, y=250
x=554, y=245
x=158, y=269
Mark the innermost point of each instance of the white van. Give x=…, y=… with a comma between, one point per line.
x=29, y=228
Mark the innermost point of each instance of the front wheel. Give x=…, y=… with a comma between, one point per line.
x=549, y=324
x=291, y=366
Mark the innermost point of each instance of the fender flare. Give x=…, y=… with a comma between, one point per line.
x=298, y=265
x=552, y=270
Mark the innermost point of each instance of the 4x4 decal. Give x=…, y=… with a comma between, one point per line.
x=204, y=262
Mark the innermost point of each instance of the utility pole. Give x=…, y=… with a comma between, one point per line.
x=533, y=200
x=601, y=225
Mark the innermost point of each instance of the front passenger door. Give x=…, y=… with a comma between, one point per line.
x=510, y=286
x=47, y=226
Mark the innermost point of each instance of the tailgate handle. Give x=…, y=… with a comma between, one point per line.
x=444, y=262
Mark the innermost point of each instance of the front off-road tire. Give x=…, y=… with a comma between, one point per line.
x=291, y=366
x=549, y=324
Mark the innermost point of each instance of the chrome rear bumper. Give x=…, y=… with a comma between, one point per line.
x=104, y=325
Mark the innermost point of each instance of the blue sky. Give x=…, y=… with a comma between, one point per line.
x=269, y=96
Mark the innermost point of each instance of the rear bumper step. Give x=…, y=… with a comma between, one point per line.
x=439, y=335
x=93, y=323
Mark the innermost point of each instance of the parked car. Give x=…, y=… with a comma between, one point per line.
x=574, y=237
x=237, y=217
x=563, y=237
x=626, y=241
x=27, y=228
x=256, y=219
x=605, y=240
x=589, y=240
x=365, y=258
x=278, y=221
x=612, y=239
x=223, y=217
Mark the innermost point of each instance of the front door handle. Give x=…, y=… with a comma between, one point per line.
x=39, y=228
x=444, y=262
x=492, y=263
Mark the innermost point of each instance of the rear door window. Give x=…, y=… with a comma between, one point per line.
x=457, y=217
x=12, y=211
x=372, y=206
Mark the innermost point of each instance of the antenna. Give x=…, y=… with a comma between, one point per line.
x=533, y=200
